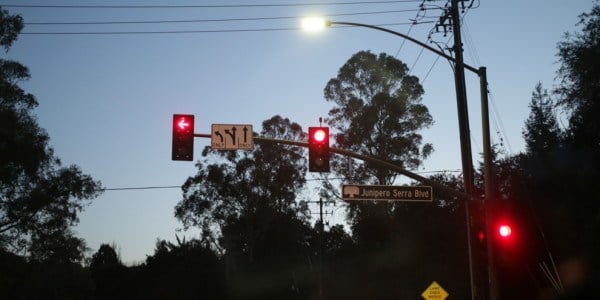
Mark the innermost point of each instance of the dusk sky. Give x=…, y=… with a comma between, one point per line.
x=108, y=90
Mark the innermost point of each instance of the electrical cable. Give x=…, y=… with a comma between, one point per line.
x=209, y=20
x=187, y=31
x=162, y=187
x=205, y=6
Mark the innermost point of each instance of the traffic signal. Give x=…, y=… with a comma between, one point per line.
x=183, y=137
x=505, y=231
x=318, y=149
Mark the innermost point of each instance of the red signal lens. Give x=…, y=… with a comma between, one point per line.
x=505, y=231
x=481, y=235
x=183, y=123
x=183, y=137
x=319, y=135
x=318, y=149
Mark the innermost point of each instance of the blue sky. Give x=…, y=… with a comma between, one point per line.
x=107, y=100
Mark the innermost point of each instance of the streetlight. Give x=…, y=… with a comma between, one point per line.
x=314, y=24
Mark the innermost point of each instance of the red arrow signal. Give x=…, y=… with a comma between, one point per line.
x=183, y=137
x=183, y=124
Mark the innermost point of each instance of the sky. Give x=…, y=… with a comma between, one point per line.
x=107, y=98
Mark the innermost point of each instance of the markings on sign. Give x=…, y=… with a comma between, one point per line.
x=434, y=292
x=231, y=137
x=352, y=192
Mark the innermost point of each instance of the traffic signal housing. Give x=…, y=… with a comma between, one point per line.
x=318, y=149
x=183, y=137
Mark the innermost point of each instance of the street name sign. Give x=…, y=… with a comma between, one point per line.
x=231, y=137
x=351, y=192
x=434, y=292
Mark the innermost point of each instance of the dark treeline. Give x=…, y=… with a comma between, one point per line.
x=258, y=240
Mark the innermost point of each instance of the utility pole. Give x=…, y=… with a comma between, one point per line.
x=321, y=225
x=479, y=274
x=461, y=100
x=321, y=248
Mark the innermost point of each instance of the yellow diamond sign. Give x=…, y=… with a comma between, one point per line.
x=434, y=292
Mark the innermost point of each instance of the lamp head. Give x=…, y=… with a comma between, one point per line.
x=315, y=23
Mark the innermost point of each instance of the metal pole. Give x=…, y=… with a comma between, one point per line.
x=321, y=248
x=461, y=102
x=477, y=283
x=488, y=178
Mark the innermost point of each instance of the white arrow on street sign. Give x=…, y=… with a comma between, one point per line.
x=231, y=137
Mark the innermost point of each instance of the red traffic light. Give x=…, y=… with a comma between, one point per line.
x=319, y=135
x=318, y=149
x=505, y=231
x=183, y=137
x=183, y=123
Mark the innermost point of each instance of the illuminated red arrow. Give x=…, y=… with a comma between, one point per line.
x=183, y=124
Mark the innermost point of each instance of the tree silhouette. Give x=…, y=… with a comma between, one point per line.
x=245, y=204
x=377, y=112
x=541, y=132
x=39, y=199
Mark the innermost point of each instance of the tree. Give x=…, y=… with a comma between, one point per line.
x=245, y=204
x=378, y=112
x=191, y=266
x=39, y=199
x=106, y=256
x=541, y=132
x=579, y=73
x=579, y=95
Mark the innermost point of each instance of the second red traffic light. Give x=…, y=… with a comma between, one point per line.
x=318, y=149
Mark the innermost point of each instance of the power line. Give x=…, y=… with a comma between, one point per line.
x=187, y=31
x=204, y=6
x=213, y=20
x=163, y=187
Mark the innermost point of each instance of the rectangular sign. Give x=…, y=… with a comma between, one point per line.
x=231, y=137
x=352, y=192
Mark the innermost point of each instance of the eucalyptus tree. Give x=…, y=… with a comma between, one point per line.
x=39, y=198
x=246, y=205
x=378, y=112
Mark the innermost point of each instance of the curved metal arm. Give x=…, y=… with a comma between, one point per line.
x=406, y=37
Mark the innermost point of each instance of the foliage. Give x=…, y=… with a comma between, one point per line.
x=579, y=159
x=579, y=73
x=241, y=183
x=541, y=132
x=39, y=199
x=10, y=27
x=245, y=204
x=378, y=112
x=549, y=189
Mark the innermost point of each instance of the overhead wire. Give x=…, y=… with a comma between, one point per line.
x=212, y=20
x=159, y=187
x=258, y=5
x=39, y=31
x=186, y=31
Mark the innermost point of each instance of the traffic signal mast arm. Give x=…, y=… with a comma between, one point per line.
x=440, y=187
